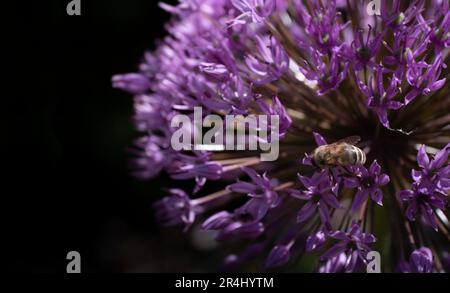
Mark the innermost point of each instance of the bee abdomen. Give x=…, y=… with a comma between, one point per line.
x=360, y=156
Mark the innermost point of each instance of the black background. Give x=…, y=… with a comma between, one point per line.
x=67, y=184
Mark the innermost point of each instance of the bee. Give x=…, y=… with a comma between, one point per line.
x=341, y=153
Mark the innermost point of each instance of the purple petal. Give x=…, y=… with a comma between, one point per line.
x=334, y=265
x=437, y=202
x=377, y=196
x=416, y=175
x=304, y=180
x=368, y=238
x=422, y=158
x=307, y=160
x=134, y=83
x=360, y=198
x=242, y=187
x=421, y=260
x=437, y=85
x=240, y=230
x=375, y=168
x=338, y=235
x=440, y=158
x=217, y=221
x=257, y=207
x=351, y=262
x=383, y=180
x=352, y=182
x=315, y=241
x=405, y=194
x=411, y=211
x=324, y=213
x=428, y=216
x=334, y=250
x=394, y=105
x=411, y=96
x=331, y=200
x=278, y=256
x=382, y=116
x=252, y=174
x=306, y=212
x=319, y=139
x=298, y=194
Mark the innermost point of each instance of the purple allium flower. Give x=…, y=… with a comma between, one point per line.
x=409, y=45
x=256, y=10
x=277, y=108
x=151, y=157
x=176, y=208
x=354, y=244
x=328, y=70
x=363, y=51
x=420, y=261
x=430, y=187
x=421, y=202
x=243, y=223
x=320, y=24
x=320, y=195
x=328, y=75
x=368, y=183
x=424, y=82
x=261, y=191
x=396, y=19
x=433, y=175
x=440, y=32
x=379, y=99
x=270, y=63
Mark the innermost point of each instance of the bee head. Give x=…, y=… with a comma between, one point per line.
x=318, y=159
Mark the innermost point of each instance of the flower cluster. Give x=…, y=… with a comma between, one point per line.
x=329, y=71
x=430, y=188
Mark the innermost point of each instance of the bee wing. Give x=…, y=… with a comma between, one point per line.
x=353, y=140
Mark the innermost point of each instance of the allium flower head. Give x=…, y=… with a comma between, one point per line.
x=327, y=70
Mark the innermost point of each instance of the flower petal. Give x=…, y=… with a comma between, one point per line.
x=306, y=212
x=360, y=198
x=278, y=256
x=377, y=196
x=422, y=158
x=383, y=180
x=319, y=139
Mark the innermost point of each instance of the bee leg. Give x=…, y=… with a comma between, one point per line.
x=347, y=170
x=330, y=174
x=343, y=171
